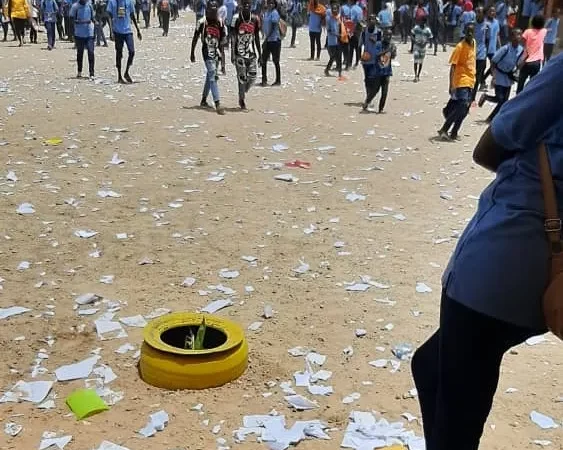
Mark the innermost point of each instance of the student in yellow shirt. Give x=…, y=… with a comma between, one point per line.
x=462, y=80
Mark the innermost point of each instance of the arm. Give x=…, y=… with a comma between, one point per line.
x=451, y=78
x=134, y=20
x=488, y=153
x=197, y=34
x=257, y=42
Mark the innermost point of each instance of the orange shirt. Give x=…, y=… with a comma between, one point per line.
x=463, y=57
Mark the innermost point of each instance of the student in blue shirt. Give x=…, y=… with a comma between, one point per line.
x=405, y=21
x=333, y=31
x=452, y=20
x=504, y=65
x=122, y=13
x=481, y=37
x=49, y=11
x=357, y=16
x=385, y=17
x=501, y=9
x=200, y=7
x=368, y=41
x=295, y=11
x=494, y=38
x=83, y=16
x=552, y=26
x=493, y=287
x=467, y=17
x=272, y=42
x=316, y=13
x=384, y=53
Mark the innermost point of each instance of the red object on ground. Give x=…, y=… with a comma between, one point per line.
x=298, y=164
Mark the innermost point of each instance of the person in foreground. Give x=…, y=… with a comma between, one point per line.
x=462, y=81
x=495, y=281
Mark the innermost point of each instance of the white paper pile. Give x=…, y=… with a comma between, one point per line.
x=364, y=432
x=272, y=430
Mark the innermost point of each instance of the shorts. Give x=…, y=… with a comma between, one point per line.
x=419, y=55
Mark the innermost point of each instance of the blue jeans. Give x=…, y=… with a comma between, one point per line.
x=457, y=109
x=88, y=44
x=50, y=27
x=99, y=33
x=502, y=94
x=126, y=39
x=211, y=81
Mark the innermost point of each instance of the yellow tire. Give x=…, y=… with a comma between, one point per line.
x=165, y=363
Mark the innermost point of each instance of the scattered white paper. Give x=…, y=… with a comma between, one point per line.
x=12, y=311
x=157, y=422
x=543, y=421
x=78, y=370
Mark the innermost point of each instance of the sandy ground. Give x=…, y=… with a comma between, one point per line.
x=171, y=148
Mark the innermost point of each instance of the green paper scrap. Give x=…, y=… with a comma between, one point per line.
x=85, y=403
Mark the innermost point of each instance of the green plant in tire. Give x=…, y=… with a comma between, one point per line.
x=192, y=342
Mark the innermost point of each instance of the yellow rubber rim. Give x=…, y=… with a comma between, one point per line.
x=174, y=372
x=153, y=331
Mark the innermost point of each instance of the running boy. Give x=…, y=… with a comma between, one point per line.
x=421, y=35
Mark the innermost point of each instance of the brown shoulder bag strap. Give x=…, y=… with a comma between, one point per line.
x=552, y=221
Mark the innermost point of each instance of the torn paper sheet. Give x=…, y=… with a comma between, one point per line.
x=33, y=391
x=78, y=370
x=157, y=422
x=50, y=440
x=109, y=329
x=217, y=305
x=12, y=311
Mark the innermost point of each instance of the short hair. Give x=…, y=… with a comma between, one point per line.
x=538, y=22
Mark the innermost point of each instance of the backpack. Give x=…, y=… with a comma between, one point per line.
x=283, y=28
x=92, y=15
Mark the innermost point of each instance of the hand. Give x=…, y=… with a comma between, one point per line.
x=452, y=91
x=139, y=35
x=192, y=58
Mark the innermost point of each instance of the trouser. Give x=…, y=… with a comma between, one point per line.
x=33, y=31
x=293, y=32
x=345, y=49
x=489, y=70
x=211, y=80
x=246, y=74
x=174, y=12
x=479, y=76
x=456, y=110
x=548, y=51
x=373, y=85
x=88, y=44
x=502, y=94
x=271, y=48
x=528, y=70
x=66, y=21
x=60, y=28
x=354, y=50
x=147, y=18
x=50, y=28
x=315, y=40
x=523, y=22
x=165, y=17
x=335, y=55
x=19, y=27
x=5, y=26
x=99, y=32
x=126, y=39
x=405, y=32
x=450, y=33
x=456, y=373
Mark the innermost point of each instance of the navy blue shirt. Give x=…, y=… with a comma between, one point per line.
x=500, y=266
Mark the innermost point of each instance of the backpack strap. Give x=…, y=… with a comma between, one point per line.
x=552, y=222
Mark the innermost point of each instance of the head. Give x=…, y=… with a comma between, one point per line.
x=469, y=33
x=468, y=6
x=211, y=10
x=515, y=37
x=387, y=35
x=372, y=21
x=538, y=22
x=245, y=6
x=420, y=3
x=272, y=4
x=491, y=12
x=555, y=13
x=480, y=14
x=334, y=8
